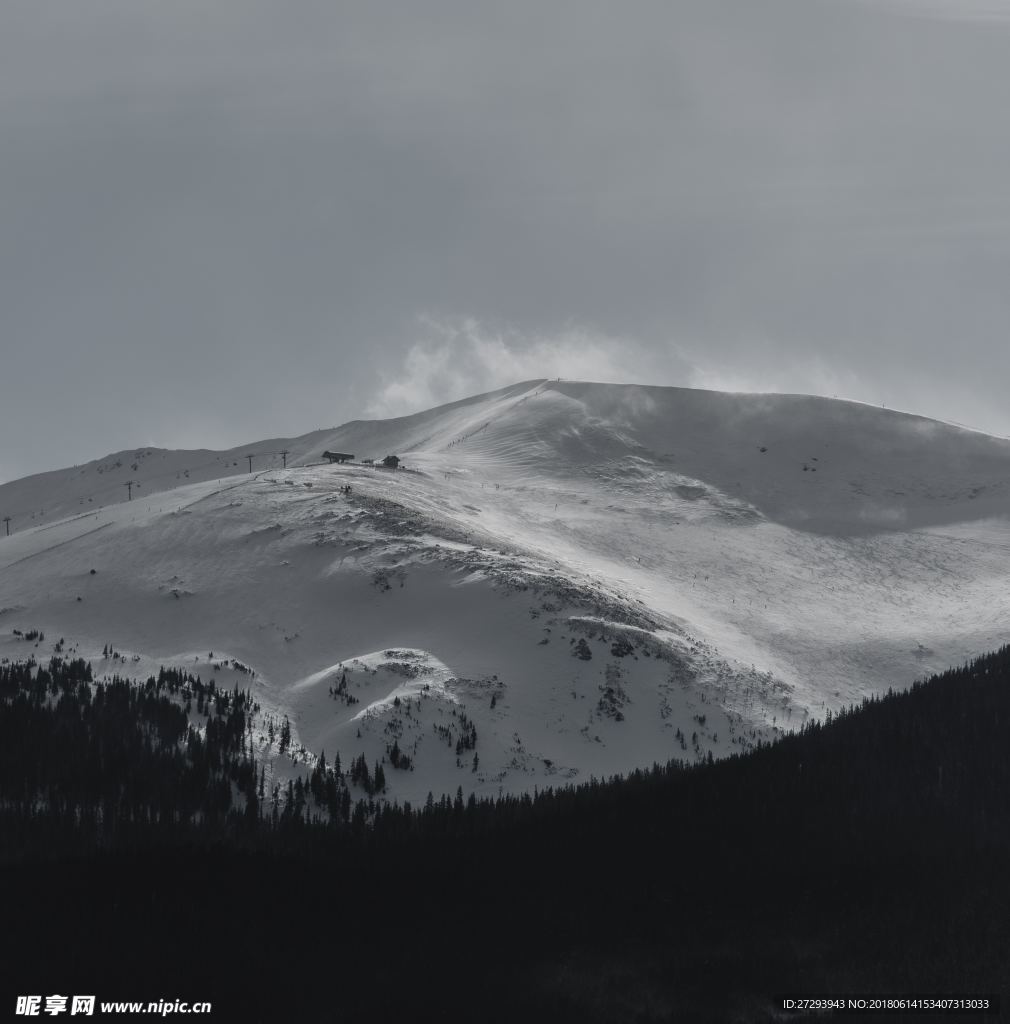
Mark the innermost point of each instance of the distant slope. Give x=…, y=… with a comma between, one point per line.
x=45, y=497
x=48, y=497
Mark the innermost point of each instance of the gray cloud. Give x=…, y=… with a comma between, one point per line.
x=951, y=10
x=249, y=219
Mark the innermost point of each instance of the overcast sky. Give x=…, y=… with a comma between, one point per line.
x=232, y=220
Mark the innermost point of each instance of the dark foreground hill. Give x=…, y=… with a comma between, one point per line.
x=868, y=854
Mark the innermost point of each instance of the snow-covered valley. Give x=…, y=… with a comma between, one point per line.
x=562, y=580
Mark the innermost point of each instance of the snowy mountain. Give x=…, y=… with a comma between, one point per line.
x=561, y=580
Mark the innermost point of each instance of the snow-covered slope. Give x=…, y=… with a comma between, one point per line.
x=567, y=579
x=49, y=497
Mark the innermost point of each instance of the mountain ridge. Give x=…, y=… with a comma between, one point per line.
x=595, y=576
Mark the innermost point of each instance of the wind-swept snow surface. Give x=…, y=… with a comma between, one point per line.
x=567, y=579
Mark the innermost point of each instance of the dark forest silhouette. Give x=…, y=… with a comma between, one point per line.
x=866, y=852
